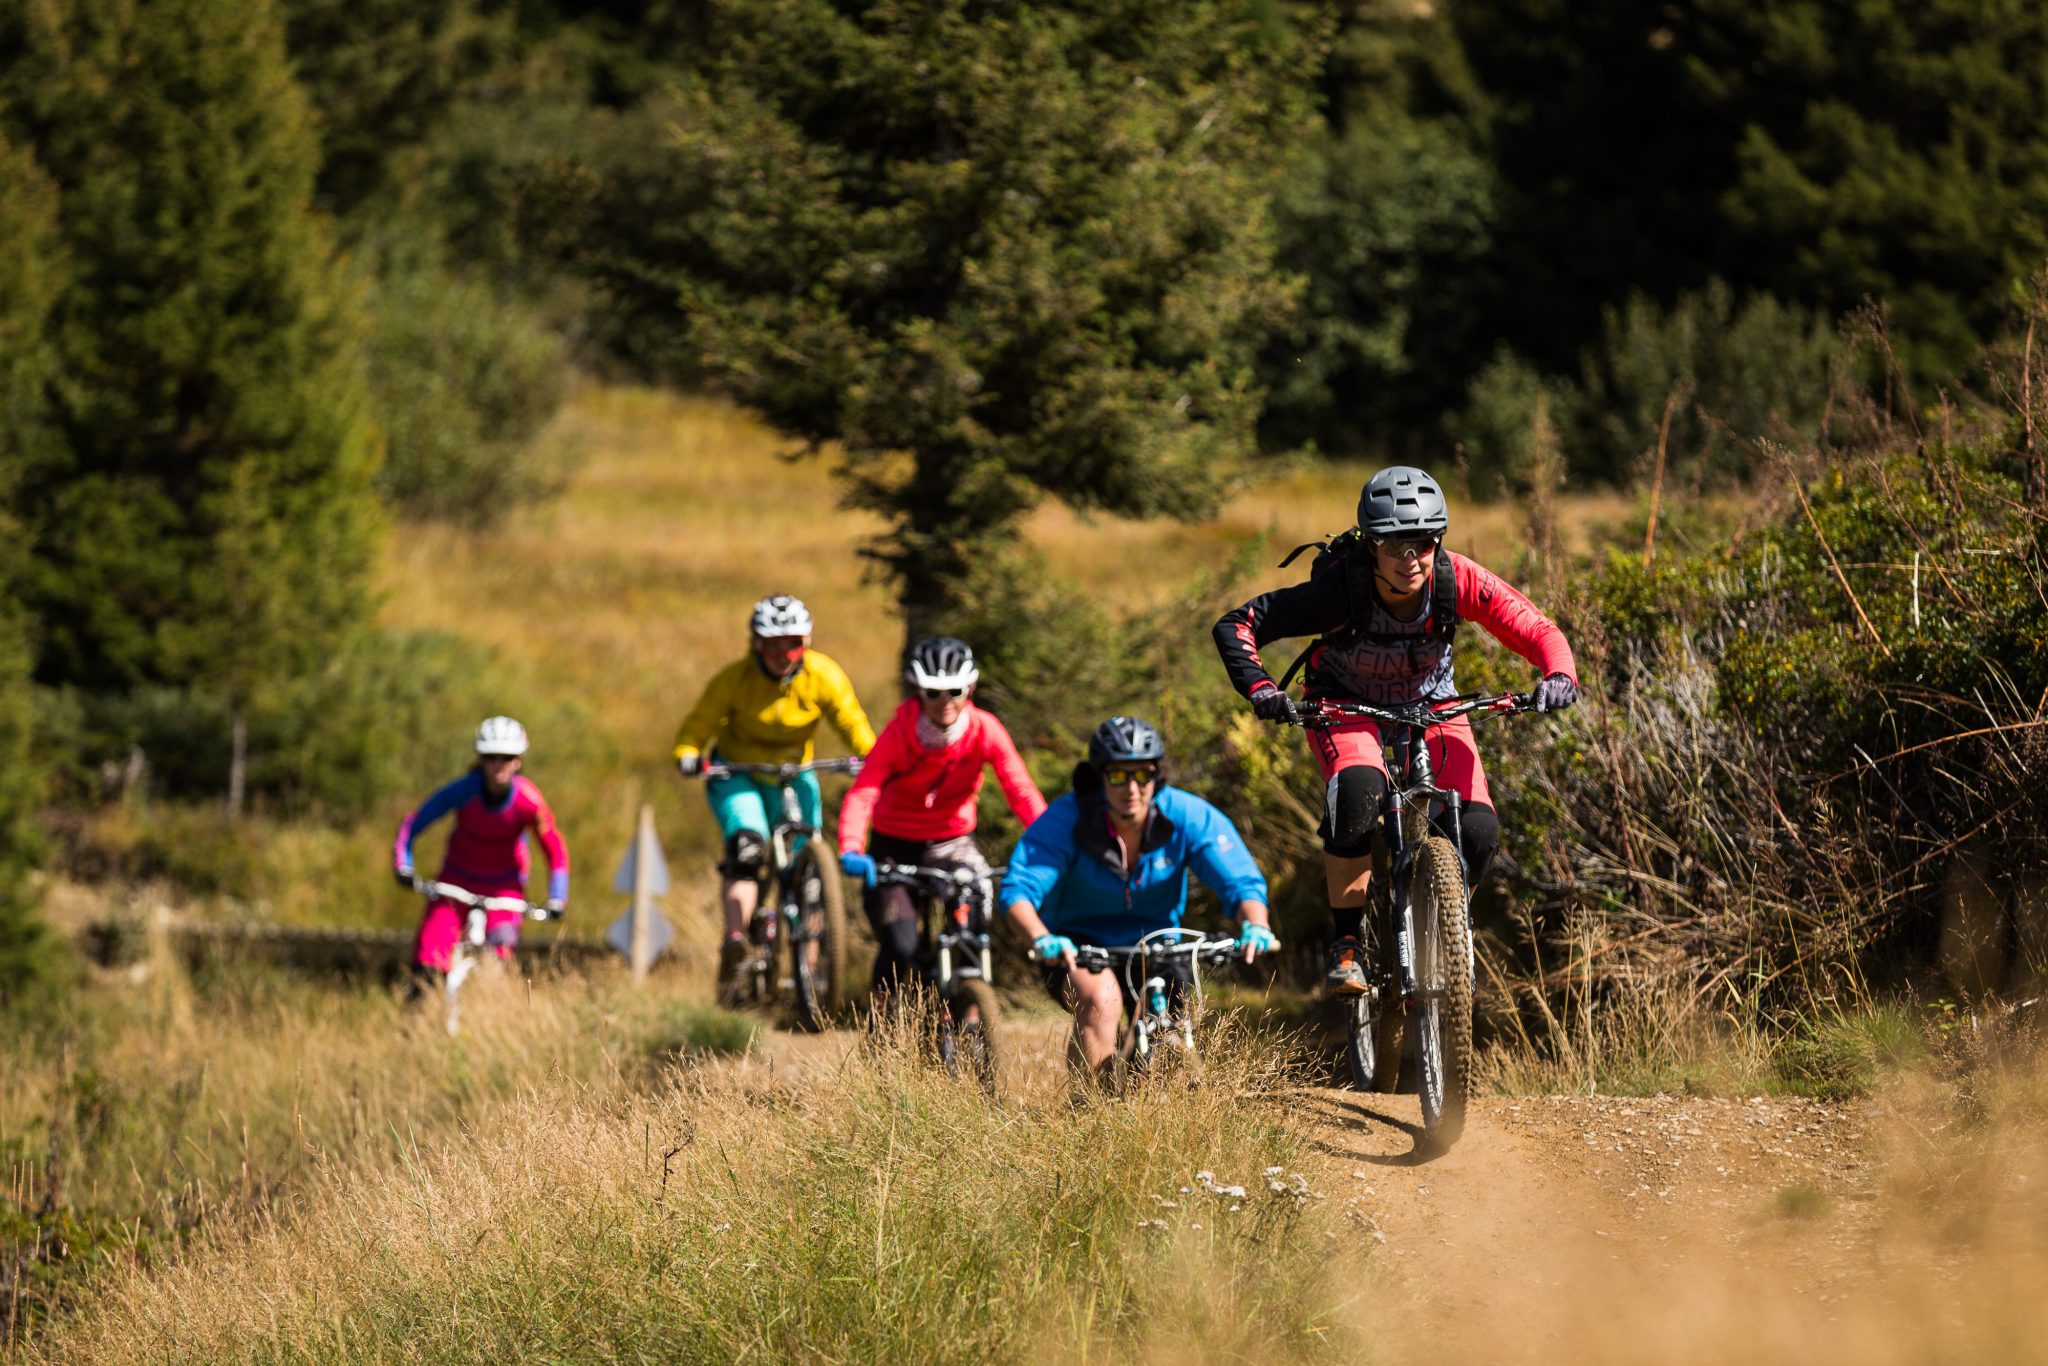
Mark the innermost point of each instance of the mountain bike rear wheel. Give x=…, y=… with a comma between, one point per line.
x=818, y=951
x=1441, y=1016
x=1374, y=1050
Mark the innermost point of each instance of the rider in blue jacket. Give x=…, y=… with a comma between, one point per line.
x=1108, y=863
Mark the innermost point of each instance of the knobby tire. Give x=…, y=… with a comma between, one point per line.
x=1443, y=970
x=820, y=970
x=1373, y=1022
x=1374, y=1027
x=968, y=1041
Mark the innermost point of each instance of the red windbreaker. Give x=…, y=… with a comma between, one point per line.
x=914, y=793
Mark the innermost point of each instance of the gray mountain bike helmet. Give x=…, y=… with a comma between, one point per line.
x=1126, y=739
x=941, y=662
x=1401, y=501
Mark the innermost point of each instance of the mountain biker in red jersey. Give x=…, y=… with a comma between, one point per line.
x=921, y=787
x=493, y=806
x=1383, y=605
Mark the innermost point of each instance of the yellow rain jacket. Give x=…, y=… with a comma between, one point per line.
x=749, y=718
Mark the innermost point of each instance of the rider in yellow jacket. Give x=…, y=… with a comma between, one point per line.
x=764, y=709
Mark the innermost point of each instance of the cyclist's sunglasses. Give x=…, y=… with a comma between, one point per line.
x=935, y=694
x=1141, y=774
x=1410, y=547
x=781, y=644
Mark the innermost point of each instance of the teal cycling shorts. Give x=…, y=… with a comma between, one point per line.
x=743, y=802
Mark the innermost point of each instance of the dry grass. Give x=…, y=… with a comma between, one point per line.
x=848, y=1204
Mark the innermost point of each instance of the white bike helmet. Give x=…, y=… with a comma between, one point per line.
x=501, y=735
x=780, y=615
x=941, y=662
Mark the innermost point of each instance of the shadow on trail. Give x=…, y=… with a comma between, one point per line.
x=1360, y=1118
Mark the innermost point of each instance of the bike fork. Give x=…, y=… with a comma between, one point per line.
x=1398, y=872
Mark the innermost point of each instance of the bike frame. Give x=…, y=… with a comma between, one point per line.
x=470, y=943
x=784, y=834
x=1147, y=1001
x=963, y=898
x=1411, y=786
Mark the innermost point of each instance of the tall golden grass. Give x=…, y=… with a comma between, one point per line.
x=851, y=1204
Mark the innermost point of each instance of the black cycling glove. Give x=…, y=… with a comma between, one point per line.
x=1271, y=702
x=1555, y=693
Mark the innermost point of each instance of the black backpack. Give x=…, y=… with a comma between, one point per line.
x=1353, y=553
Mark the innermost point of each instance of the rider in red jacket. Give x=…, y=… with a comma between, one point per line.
x=921, y=788
x=1382, y=614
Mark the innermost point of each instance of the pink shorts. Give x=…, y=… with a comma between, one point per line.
x=1453, y=753
x=443, y=922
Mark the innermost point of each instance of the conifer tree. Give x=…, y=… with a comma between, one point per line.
x=993, y=250
x=28, y=279
x=206, y=516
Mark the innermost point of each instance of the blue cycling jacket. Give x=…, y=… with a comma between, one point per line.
x=1069, y=867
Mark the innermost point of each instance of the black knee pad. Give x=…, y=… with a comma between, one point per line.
x=1351, y=810
x=1481, y=830
x=745, y=857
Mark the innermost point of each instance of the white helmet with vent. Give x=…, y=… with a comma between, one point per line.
x=941, y=662
x=780, y=615
x=501, y=735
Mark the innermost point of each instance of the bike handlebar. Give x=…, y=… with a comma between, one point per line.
x=1103, y=957
x=722, y=769
x=462, y=896
x=908, y=873
x=1329, y=712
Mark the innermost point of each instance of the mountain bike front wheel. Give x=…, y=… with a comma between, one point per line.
x=818, y=949
x=1441, y=1015
x=967, y=1033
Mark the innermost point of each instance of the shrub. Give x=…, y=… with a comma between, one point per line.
x=463, y=378
x=383, y=709
x=1733, y=372
x=1496, y=431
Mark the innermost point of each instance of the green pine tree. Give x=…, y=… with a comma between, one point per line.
x=207, y=517
x=29, y=275
x=1818, y=152
x=993, y=250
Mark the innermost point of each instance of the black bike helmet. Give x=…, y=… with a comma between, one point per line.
x=1124, y=740
x=1401, y=501
x=941, y=662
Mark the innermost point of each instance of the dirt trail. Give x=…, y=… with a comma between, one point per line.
x=1665, y=1229
x=1555, y=1217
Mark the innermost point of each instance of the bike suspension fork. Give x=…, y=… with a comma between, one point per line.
x=1397, y=889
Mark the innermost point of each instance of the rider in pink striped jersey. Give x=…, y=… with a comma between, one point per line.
x=494, y=808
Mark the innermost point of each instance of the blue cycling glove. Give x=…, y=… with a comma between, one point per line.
x=1257, y=938
x=1052, y=947
x=856, y=864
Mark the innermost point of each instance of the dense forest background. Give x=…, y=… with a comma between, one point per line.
x=274, y=272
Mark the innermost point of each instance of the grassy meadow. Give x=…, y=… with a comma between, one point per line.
x=605, y=610
x=230, y=1163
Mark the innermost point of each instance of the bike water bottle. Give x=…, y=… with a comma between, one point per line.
x=1155, y=996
